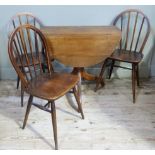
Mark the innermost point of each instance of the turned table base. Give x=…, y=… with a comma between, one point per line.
x=86, y=76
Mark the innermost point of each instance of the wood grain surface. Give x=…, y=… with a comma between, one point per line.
x=81, y=46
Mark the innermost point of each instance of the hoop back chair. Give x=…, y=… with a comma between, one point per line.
x=25, y=45
x=18, y=20
x=135, y=28
x=21, y=19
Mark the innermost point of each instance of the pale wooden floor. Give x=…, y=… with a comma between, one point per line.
x=112, y=121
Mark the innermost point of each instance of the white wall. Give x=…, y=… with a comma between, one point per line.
x=76, y=15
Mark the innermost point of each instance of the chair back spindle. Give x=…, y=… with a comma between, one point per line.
x=135, y=29
x=25, y=45
x=21, y=19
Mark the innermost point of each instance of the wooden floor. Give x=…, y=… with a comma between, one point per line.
x=112, y=121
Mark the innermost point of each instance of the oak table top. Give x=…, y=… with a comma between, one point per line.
x=81, y=46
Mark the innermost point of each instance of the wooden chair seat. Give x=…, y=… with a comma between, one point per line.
x=126, y=56
x=51, y=87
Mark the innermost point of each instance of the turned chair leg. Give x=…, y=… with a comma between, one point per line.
x=99, y=79
x=27, y=110
x=22, y=90
x=54, y=123
x=79, y=88
x=78, y=102
x=133, y=81
x=49, y=105
x=111, y=68
x=137, y=75
x=18, y=80
x=22, y=96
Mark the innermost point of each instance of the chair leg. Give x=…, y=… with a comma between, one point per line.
x=43, y=68
x=99, y=79
x=79, y=91
x=78, y=102
x=49, y=105
x=111, y=68
x=27, y=110
x=18, y=80
x=133, y=81
x=54, y=123
x=22, y=96
x=137, y=75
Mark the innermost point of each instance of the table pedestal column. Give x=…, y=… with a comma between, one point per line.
x=84, y=75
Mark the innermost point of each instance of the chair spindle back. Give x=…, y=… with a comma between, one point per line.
x=21, y=19
x=135, y=29
x=28, y=53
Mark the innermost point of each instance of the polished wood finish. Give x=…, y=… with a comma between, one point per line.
x=35, y=81
x=18, y=20
x=51, y=87
x=135, y=29
x=81, y=46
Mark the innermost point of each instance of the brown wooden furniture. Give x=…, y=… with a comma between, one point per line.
x=25, y=45
x=81, y=46
x=18, y=20
x=135, y=29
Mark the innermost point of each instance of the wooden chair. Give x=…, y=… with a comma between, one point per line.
x=18, y=20
x=135, y=29
x=25, y=45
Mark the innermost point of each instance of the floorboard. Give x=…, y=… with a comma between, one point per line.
x=111, y=122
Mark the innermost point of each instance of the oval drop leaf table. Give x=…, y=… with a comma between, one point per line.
x=81, y=46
